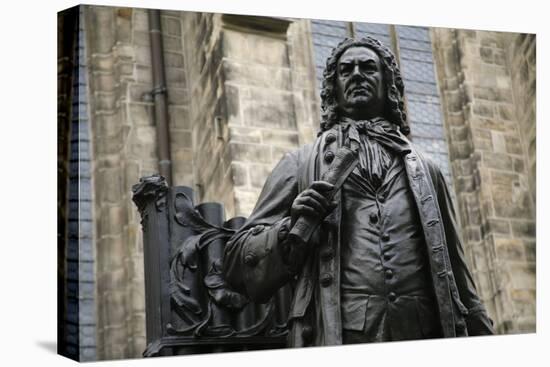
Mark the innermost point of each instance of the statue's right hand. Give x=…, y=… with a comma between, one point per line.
x=313, y=202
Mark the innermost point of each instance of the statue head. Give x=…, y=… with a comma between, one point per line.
x=361, y=81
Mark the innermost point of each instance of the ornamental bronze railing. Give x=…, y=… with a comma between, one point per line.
x=189, y=306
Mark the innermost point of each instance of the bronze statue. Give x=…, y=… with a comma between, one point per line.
x=359, y=222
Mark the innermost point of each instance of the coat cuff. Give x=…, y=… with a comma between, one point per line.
x=265, y=257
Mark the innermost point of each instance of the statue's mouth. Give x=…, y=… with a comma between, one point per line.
x=359, y=90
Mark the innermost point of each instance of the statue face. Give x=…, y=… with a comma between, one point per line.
x=360, y=84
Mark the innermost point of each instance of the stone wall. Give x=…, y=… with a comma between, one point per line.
x=124, y=149
x=242, y=92
x=252, y=99
x=490, y=159
x=521, y=58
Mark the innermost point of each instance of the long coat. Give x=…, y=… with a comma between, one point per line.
x=256, y=260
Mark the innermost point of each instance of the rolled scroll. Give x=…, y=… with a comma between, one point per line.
x=343, y=164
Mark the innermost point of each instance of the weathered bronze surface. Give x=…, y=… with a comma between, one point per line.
x=352, y=240
x=368, y=238
x=189, y=306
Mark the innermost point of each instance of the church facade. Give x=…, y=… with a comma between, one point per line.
x=240, y=92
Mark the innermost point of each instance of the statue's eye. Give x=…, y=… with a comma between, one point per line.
x=345, y=69
x=369, y=68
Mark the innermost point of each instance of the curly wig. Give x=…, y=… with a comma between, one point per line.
x=394, y=107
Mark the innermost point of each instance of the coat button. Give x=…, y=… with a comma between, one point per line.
x=373, y=217
x=331, y=138
x=326, y=280
x=307, y=334
x=329, y=156
x=392, y=297
x=385, y=237
x=389, y=273
x=251, y=260
x=387, y=256
x=327, y=255
x=258, y=229
x=380, y=198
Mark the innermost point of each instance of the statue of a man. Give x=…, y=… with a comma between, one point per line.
x=385, y=261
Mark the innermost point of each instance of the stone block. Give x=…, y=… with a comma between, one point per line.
x=235, y=45
x=505, y=112
x=498, y=226
x=140, y=92
x=144, y=74
x=519, y=165
x=175, y=77
x=140, y=20
x=183, y=167
x=172, y=43
x=265, y=108
x=108, y=185
x=104, y=101
x=179, y=117
x=112, y=220
x=142, y=55
x=245, y=135
x=171, y=25
x=464, y=184
x=111, y=253
x=177, y=95
x=473, y=234
x=455, y=101
x=257, y=75
x=115, y=336
x=101, y=62
x=509, y=249
x=245, y=201
x=483, y=109
x=137, y=296
x=180, y=139
x=523, y=228
x=173, y=60
x=524, y=276
x=103, y=81
x=142, y=142
x=239, y=174
x=459, y=133
x=250, y=152
x=141, y=38
x=482, y=140
x=486, y=54
x=277, y=153
x=280, y=138
x=267, y=50
x=513, y=145
x=500, y=58
x=498, y=161
x=140, y=114
x=530, y=250
x=511, y=199
x=232, y=105
x=259, y=174
x=461, y=150
x=498, y=142
x=102, y=18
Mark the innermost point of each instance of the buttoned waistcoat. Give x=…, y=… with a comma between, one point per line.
x=256, y=261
